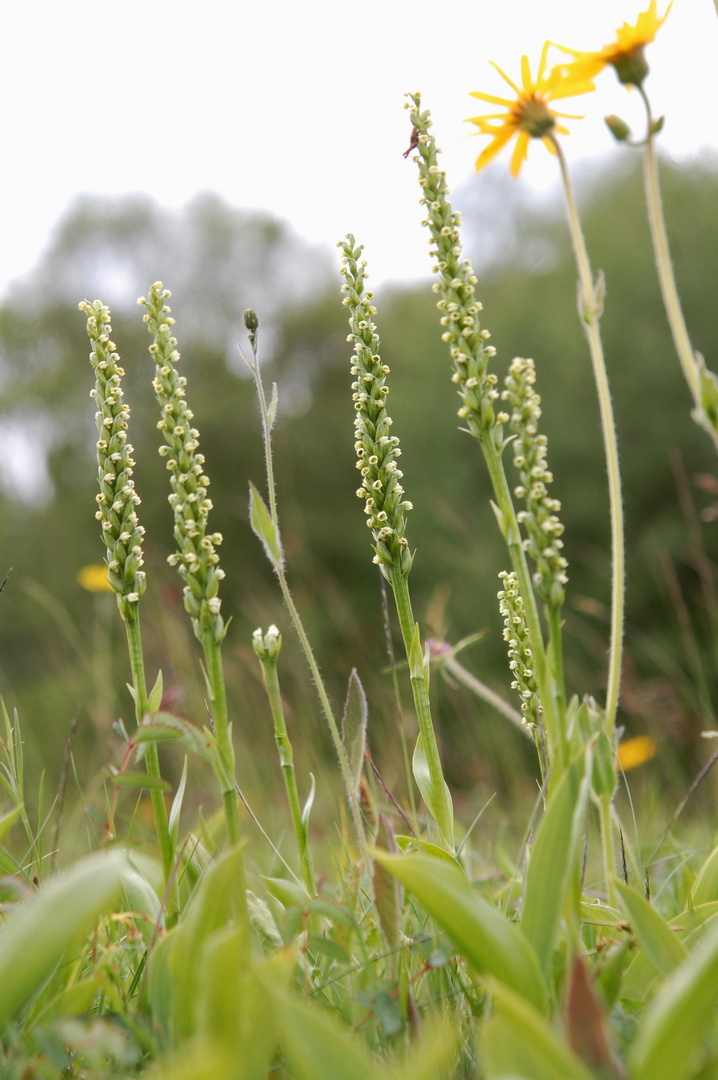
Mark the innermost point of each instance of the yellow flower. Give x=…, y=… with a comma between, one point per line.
x=528, y=116
x=635, y=752
x=625, y=54
x=94, y=578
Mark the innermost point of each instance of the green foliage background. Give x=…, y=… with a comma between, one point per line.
x=57, y=643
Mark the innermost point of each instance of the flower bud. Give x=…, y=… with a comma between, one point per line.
x=618, y=127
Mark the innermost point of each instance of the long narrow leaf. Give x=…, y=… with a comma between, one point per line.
x=34, y=939
x=554, y=859
x=316, y=1047
x=519, y=1043
x=679, y=1017
x=660, y=944
x=489, y=941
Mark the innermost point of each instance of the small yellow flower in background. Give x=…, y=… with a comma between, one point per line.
x=93, y=577
x=625, y=54
x=636, y=751
x=528, y=116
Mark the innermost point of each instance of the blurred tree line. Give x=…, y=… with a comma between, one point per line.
x=61, y=649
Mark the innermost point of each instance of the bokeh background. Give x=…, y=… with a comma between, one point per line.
x=222, y=154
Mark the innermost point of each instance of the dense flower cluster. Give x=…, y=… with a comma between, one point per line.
x=467, y=341
x=376, y=449
x=196, y=558
x=117, y=499
x=539, y=518
x=520, y=655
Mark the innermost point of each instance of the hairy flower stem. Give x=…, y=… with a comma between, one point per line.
x=268, y=413
x=696, y=375
x=590, y=307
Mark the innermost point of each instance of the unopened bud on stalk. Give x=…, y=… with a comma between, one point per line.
x=267, y=646
x=618, y=127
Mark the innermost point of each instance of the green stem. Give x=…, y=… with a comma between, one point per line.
x=591, y=303
x=606, y=816
x=286, y=760
x=558, y=756
x=152, y=761
x=555, y=662
x=267, y=420
x=222, y=733
x=225, y=752
x=441, y=799
x=669, y=291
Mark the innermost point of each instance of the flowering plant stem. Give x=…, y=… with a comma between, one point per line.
x=552, y=717
x=420, y=689
x=590, y=307
x=152, y=761
x=267, y=650
x=689, y=361
x=268, y=412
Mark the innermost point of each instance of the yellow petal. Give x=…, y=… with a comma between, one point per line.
x=93, y=577
x=636, y=751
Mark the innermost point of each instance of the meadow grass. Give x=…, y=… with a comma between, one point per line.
x=192, y=943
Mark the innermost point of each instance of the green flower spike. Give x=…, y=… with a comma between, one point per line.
x=542, y=526
x=117, y=499
x=478, y=390
x=520, y=655
x=196, y=559
x=385, y=507
x=468, y=343
x=376, y=449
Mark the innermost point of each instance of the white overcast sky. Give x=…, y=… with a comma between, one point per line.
x=297, y=108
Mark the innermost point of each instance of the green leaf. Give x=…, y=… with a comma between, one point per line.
x=235, y=1008
x=315, y=1045
x=438, y=803
x=287, y=892
x=681, y=1014
x=489, y=941
x=354, y=724
x=140, y=780
x=155, y=699
x=519, y=1043
x=554, y=860
x=34, y=940
x=387, y=890
x=176, y=808
x=414, y=846
x=705, y=887
x=166, y=727
x=659, y=943
x=214, y=904
x=142, y=900
x=307, y=808
x=263, y=527
x=8, y=820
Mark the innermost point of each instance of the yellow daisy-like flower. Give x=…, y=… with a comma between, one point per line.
x=625, y=54
x=529, y=115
